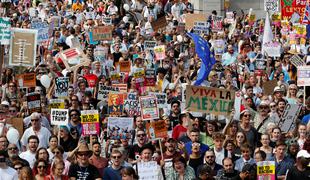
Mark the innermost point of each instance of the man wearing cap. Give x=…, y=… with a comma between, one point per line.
x=301, y=169
x=82, y=169
x=6, y=172
x=262, y=118
x=278, y=94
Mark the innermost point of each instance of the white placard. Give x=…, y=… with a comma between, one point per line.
x=59, y=117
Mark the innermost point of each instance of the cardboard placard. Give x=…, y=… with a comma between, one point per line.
x=102, y=33
x=124, y=66
x=104, y=90
x=5, y=30
x=201, y=27
x=288, y=8
x=160, y=52
x=273, y=49
x=23, y=47
x=73, y=58
x=34, y=102
x=107, y=20
x=150, y=77
x=297, y=61
x=90, y=122
x=61, y=86
x=159, y=23
x=26, y=80
x=266, y=170
x=116, y=104
x=120, y=127
x=148, y=170
x=156, y=129
x=191, y=18
x=149, y=108
x=59, y=117
x=303, y=76
x=269, y=86
x=139, y=75
x=149, y=45
x=288, y=120
x=209, y=100
x=56, y=104
x=43, y=34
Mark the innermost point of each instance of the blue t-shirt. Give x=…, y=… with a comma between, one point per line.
x=305, y=119
x=203, y=148
x=112, y=174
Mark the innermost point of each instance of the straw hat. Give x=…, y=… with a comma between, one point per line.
x=83, y=148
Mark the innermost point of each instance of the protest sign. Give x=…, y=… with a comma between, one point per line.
x=217, y=23
x=104, y=90
x=90, y=122
x=59, y=117
x=160, y=23
x=149, y=45
x=122, y=87
x=288, y=120
x=124, y=66
x=102, y=33
x=271, y=5
x=56, y=104
x=269, y=86
x=276, y=19
x=100, y=53
x=272, y=49
x=149, y=109
x=161, y=99
x=43, y=29
x=160, y=52
x=139, y=75
x=34, y=102
x=120, y=127
x=150, y=77
x=209, y=100
x=237, y=105
x=5, y=30
x=55, y=21
x=23, y=47
x=90, y=15
x=73, y=58
x=201, y=27
x=230, y=17
x=132, y=108
x=156, y=129
x=107, y=20
x=191, y=18
x=148, y=170
x=115, y=77
x=252, y=19
x=266, y=170
x=292, y=6
x=294, y=18
x=219, y=47
x=26, y=80
x=61, y=86
x=116, y=104
x=297, y=61
x=260, y=64
x=303, y=76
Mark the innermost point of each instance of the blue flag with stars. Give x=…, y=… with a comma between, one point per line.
x=203, y=51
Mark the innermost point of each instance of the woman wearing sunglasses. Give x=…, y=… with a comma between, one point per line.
x=40, y=169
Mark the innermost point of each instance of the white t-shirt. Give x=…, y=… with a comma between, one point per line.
x=43, y=135
x=219, y=156
x=8, y=174
x=28, y=156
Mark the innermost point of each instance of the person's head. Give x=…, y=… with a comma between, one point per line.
x=273, y=107
x=249, y=91
x=147, y=152
x=64, y=132
x=33, y=143
x=302, y=130
x=260, y=156
x=281, y=104
x=26, y=173
x=240, y=137
x=74, y=115
x=18, y=165
x=276, y=133
x=42, y=154
x=129, y=173
x=194, y=135
x=40, y=166
x=12, y=151
x=35, y=120
x=263, y=108
x=265, y=140
x=171, y=145
x=58, y=152
x=230, y=145
x=116, y=157
x=175, y=107
x=246, y=151
x=3, y=142
x=228, y=165
x=303, y=159
x=278, y=92
x=209, y=157
x=245, y=117
x=211, y=127
x=139, y=122
x=218, y=139
x=179, y=163
x=96, y=148
x=141, y=135
x=204, y=172
x=280, y=149
x=3, y=156
x=83, y=154
x=53, y=141
x=58, y=167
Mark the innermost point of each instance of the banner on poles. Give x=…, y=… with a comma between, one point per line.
x=59, y=117
x=303, y=76
x=149, y=108
x=34, y=102
x=266, y=170
x=90, y=122
x=5, y=30
x=156, y=129
x=209, y=100
x=61, y=86
x=120, y=127
x=23, y=47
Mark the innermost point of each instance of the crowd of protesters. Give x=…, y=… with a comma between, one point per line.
x=199, y=146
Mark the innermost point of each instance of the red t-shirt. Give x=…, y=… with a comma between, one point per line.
x=91, y=79
x=178, y=131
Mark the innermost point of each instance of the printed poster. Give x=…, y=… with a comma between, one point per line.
x=5, y=30
x=149, y=108
x=90, y=122
x=116, y=104
x=266, y=170
x=59, y=117
x=156, y=129
x=61, y=87
x=34, y=102
x=120, y=127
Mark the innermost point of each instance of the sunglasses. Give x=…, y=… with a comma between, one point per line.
x=73, y=115
x=116, y=157
x=36, y=120
x=273, y=106
x=18, y=168
x=56, y=152
x=12, y=148
x=82, y=154
x=209, y=157
x=247, y=115
x=140, y=135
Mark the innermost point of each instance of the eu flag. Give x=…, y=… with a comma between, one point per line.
x=203, y=51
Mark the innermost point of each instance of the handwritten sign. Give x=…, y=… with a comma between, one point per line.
x=5, y=30
x=90, y=122
x=61, y=86
x=149, y=109
x=266, y=170
x=209, y=100
x=288, y=8
x=288, y=120
x=34, y=102
x=59, y=117
x=73, y=58
x=124, y=66
x=148, y=170
x=273, y=49
x=160, y=52
x=303, y=76
x=102, y=33
x=104, y=91
x=149, y=45
x=156, y=129
x=201, y=27
x=159, y=23
x=120, y=127
x=107, y=20
x=191, y=18
x=297, y=61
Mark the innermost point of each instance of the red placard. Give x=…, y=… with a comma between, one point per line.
x=288, y=7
